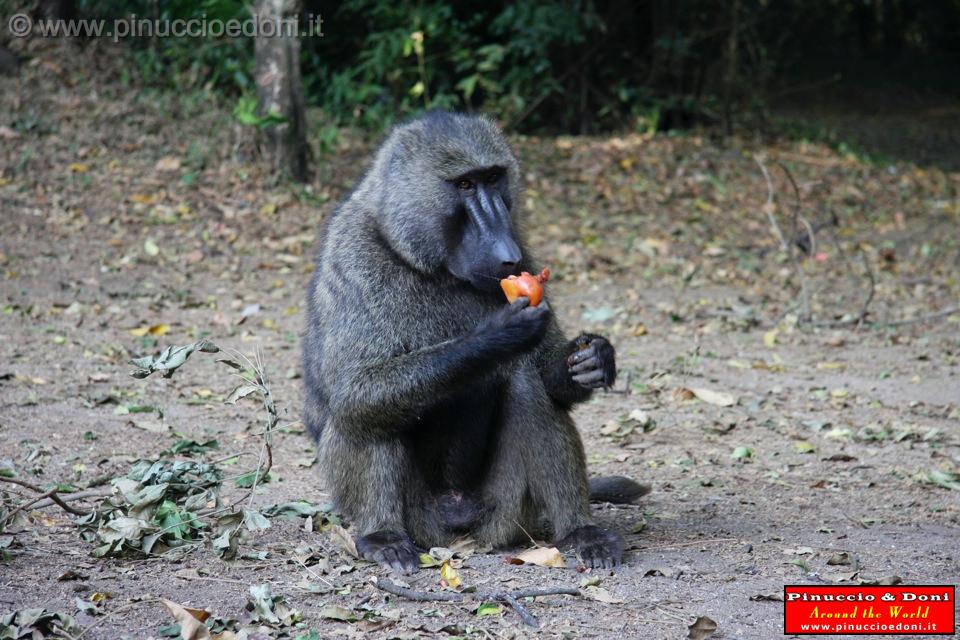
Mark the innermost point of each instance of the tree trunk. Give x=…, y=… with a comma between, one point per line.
x=279, y=86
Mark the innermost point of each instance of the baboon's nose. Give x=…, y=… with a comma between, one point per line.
x=508, y=253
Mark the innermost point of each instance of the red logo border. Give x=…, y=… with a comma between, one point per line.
x=952, y=587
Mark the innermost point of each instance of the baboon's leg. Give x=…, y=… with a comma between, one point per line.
x=537, y=478
x=383, y=497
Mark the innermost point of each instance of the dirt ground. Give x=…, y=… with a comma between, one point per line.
x=829, y=433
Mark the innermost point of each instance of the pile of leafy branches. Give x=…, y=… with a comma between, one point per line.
x=158, y=507
x=164, y=505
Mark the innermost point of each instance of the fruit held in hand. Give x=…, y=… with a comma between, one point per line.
x=525, y=285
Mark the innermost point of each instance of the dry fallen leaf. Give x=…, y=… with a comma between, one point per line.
x=449, y=575
x=154, y=330
x=682, y=393
x=540, y=556
x=715, y=397
x=143, y=198
x=601, y=595
x=341, y=537
x=702, y=628
x=168, y=163
x=191, y=626
x=770, y=338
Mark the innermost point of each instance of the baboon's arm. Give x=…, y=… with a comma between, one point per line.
x=378, y=396
x=551, y=360
x=382, y=394
x=571, y=372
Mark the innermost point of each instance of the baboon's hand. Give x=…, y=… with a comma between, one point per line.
x=597, y=547
x=390, y=549
x=595, y=366
x=516, y=327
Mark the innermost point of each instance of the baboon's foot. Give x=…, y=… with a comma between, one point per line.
x=597, y=547
x=390, y=549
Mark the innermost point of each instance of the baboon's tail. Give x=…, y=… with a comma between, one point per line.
x=616, y=489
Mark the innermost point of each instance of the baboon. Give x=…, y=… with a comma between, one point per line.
x=438, y=408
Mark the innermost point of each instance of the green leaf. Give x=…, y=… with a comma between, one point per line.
x=190, y=447
x=174, y=521
x=124, y=529
x=938, y=477
x=261, y=604
x=87, y=607
x=246, y=113
x=742, y=453
x=467, y=85
x=488, y=609
x=148, y=495
x=241, y=392
x=802, y=446
x=250, y=478
x=170, y=359
x=254, y=520
x=296, y=509
x=122, y=410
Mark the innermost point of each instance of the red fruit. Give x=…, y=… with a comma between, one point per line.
x=525, y=285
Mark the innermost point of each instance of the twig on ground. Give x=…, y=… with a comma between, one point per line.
x=527, y=617
x=865, y=308
x=930, y=317
x=110, y=614
x=949, y=311
x=314, y=573
x=73, y=497
x=265, y=459
x=511, y=598
x=771, y=203
x=859, y=523
x=871, y=279
x=692, y=543
x=806, y=312
x=51, y=494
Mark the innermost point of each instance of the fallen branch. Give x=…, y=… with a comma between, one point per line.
x=511, y=598
x=771, y=203
x=949, y=311
x=77, y=495
x=929, y=317
x=865, y=308
x=51, y=494
x=692, y=543
x=792, y=250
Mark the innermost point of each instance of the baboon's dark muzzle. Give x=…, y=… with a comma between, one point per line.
x=490, y=215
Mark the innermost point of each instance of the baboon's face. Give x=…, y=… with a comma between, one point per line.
x=484, y=249
x=444, y=187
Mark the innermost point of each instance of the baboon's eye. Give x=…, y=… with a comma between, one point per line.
x=465, y=185
x=493, y=177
